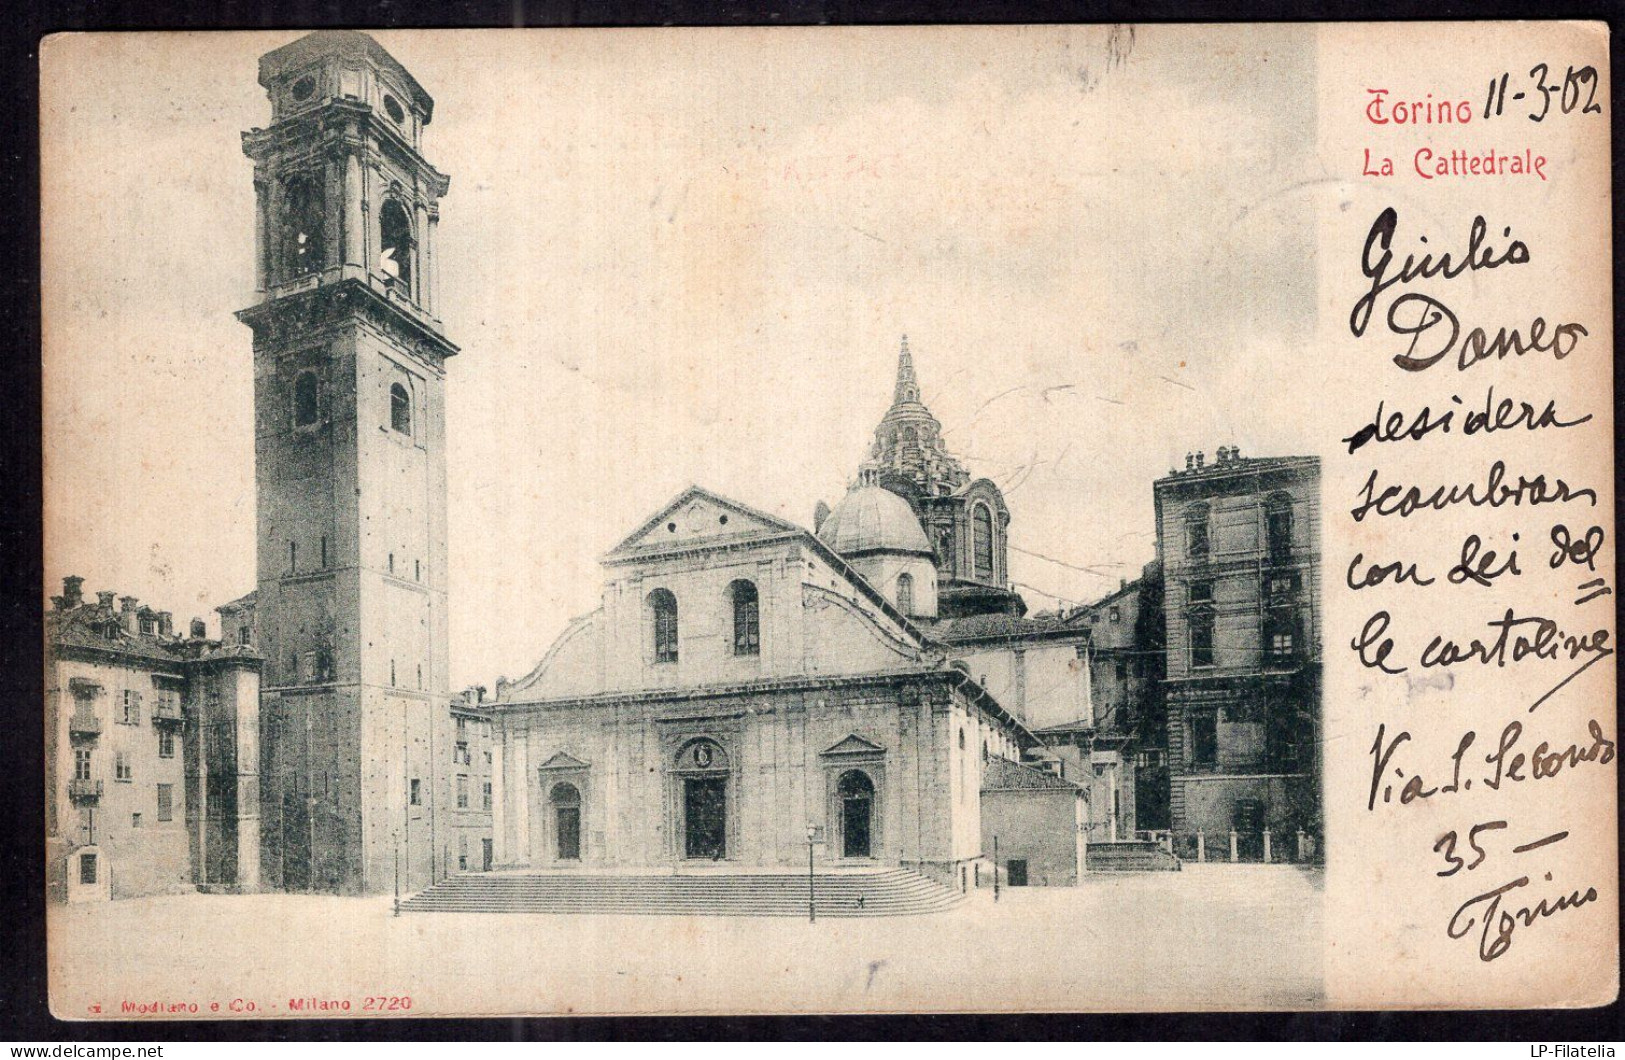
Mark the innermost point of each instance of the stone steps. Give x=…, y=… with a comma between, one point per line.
x=895, y=892
x=1130, y=856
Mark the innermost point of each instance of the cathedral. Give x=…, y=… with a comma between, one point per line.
x=747, y=683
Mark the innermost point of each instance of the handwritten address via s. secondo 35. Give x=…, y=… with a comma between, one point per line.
x=1521, y=587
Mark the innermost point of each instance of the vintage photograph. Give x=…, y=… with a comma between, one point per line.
x=684, y=521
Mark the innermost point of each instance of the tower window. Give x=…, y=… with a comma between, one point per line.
x=304, y=88
x=324, y=550
x=304, y=249
x=293, y=557
x=982, y=537
x=392, y=107
x=905, y=593
x=747, y=618
x=400, y=409
x=663, y=612
x=395, y=235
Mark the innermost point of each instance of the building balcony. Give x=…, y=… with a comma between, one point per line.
x=84, y=790
x=86, y=726
x=167, y=712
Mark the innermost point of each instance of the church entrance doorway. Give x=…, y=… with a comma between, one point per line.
x=566, y=799
x=705, y=817
x=857, y=795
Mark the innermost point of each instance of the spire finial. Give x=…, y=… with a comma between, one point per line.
x=908, y=388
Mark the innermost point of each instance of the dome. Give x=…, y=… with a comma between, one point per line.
x=873, y=519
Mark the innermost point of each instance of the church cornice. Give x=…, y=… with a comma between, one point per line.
x=291, y=318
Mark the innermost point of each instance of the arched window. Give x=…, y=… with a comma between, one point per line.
x=747, y=618
x=856, y=793
x=395, y=235
x=400, y=409
x=1196, y=531
x=982, y=538
x=663, y=612
x=905, y=593
x=1278, y=525
x=566, y=801
x=304, y=399
x=304, y=249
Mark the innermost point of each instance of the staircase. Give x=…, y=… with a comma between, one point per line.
x=894, y=892
x=1130, y=856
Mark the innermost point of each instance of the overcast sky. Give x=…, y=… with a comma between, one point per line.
x=687, y=257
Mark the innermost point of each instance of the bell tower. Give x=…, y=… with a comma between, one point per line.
x=350, y=472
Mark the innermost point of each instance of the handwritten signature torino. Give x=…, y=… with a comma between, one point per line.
x=1497, y=925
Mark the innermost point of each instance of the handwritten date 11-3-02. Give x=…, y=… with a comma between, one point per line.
x=1576, y=90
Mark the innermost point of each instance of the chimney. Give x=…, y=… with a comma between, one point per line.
x=166, y=624
x=1199, y=459
x=199, y=630
x=1223, y=455
x=1122, y=583
x=105, y=599
x=1190, y=461
x=1235, y=452
x=73, y=592
x=128, y=615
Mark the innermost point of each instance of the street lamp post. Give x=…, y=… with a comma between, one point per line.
x=815, y=834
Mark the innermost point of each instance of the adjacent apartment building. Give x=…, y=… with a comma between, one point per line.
x=1238, y=542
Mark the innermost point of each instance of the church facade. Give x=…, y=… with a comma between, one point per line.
x=750, y=690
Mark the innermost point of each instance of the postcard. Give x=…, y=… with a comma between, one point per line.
x=1074, y=518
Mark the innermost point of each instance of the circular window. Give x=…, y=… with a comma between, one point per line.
x=671, y=528
x=304, y=88
x=392, y=107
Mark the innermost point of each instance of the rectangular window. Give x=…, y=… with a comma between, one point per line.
x=121, y=766
x=1196, y=543
x=462, y=792
x=324, y=550
x=131, y=714
x=462, y=853
x=293, y=558
x=81, y=764
x=242, y=634
x=1122, y=670
x=135, y=820
x=1202, y=638
x=166, y=743
x=1204, y=739
x=166, y=802
x=417, y=799
x=459, y=754
x=87, y=869
x=1278, y=530
x=1201, y=592
x=485, y=796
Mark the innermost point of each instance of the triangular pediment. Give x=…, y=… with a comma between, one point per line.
x=563, y=760
x=698, y=516
x=855, y=745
